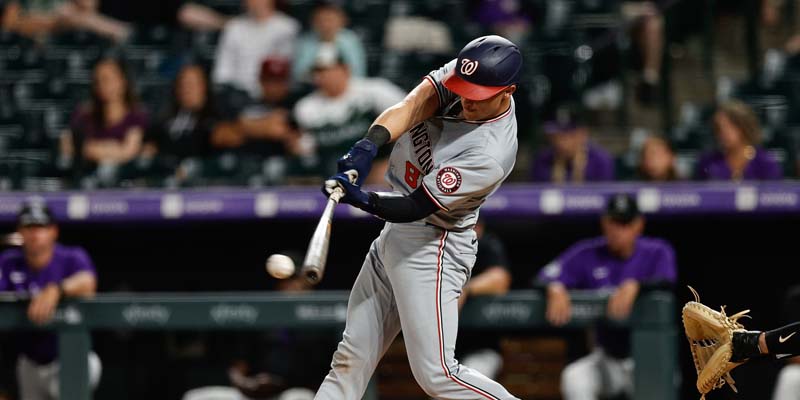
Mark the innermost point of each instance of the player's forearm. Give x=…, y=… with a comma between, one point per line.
x=81, y=284
x=400, y=209
x=782, y=341
x=494, y=281
x=418, y=106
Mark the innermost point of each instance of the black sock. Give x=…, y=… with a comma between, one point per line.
x=784, y=341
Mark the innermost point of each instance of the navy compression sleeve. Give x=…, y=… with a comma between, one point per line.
x=394, y=208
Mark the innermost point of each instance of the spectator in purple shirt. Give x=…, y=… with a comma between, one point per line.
x=108, y=130
x=572, y=157
x=46, y=272
x=739, y=156
x=620, y=262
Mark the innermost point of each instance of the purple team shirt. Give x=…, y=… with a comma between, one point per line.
x=599, y=166
x=589, y=265
x=712, y=166
x=16, y=276
x=83, y=123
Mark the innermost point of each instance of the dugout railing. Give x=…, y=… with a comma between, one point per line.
x=653, y=323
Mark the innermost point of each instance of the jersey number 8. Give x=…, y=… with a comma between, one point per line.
x=412, y=175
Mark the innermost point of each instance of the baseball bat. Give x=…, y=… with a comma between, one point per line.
x=317, y=253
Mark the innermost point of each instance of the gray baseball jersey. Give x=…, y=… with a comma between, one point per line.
x=414, y=272
x=458, y=163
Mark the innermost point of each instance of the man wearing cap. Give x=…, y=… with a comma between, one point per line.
x=329, y=26
x=266, y=126
x=46, y=271
x=620, y=261
x=572, y=157
x=341, y=109
x=455, y=142
x=262, y=32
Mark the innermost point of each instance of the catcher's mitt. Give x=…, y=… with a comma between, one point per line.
x=710, y=333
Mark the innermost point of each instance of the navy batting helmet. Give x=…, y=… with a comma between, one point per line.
x=484, y=67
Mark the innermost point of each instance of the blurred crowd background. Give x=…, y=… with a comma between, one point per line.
x=254, y=93
x=98, y=94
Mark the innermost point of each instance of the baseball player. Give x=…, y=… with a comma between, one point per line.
x=48, y=272
x=719, y=343
x=455, y=141
x=621, y=261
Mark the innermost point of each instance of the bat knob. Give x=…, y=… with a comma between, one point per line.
x=312, y=276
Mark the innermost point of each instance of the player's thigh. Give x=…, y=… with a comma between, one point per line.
x=617, y=375
x=581, y=378
x=788, y=384
x=372, y=319
x=31, y=385
x=427, y=282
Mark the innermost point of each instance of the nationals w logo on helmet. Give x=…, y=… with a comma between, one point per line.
x=468, y=67
x=448, y=180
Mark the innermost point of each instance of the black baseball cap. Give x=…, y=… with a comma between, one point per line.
x=35, y=213
x=622, y=208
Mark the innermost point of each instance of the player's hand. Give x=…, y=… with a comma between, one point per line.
x=559, y=305
x=261, y=385
x=43, y=305
x=621, y=301
x=359, y=158
x=353, y=194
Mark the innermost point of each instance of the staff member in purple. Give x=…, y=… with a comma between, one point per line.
x=620, y=261
x=47, y=272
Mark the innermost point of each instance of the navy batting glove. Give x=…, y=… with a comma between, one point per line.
x=353, y=194
x=359, y=158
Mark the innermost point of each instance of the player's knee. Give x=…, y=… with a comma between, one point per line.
x=433, y=381
x=434, y=386
x=790, y=376
x=346, y=358
x=576, y=381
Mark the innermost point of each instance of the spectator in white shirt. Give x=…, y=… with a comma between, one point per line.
x=247, y=40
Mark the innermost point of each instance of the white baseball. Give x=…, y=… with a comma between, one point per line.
x=280, y=266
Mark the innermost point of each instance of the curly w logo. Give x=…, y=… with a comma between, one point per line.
x=468, y=67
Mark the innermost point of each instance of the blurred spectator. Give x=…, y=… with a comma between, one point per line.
x=266, y=125
x=490, y=276
x=109, y=130
x=648, y=35
x=341, y=110
x=192, y=15
x=329, y=22
x=657, y=161
x=185, y=130
x=249, y=39
x=571, y=157
x=511, y=19
x=199, y=17
x=46, y=17
x=622, y=261
x=739, y=156
x=46, y=271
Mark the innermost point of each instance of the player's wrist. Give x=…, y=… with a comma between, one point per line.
x=378, y=135
x=56, y=288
